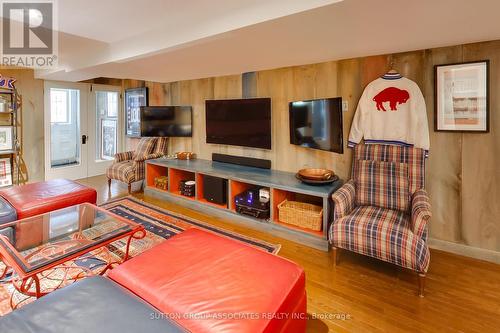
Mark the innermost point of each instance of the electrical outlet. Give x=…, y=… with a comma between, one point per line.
x=345, y=106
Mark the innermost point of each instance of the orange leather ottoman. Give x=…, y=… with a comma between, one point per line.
x=208, y=283
x=42, y=197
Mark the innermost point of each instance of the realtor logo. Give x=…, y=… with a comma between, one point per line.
x=29, y=37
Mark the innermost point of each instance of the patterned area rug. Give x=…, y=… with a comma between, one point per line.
x=160, y=225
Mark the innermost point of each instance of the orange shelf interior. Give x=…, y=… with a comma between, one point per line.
x=179, y=194
x=237, y=188
x=199, y=193
x=153, y=172
x=175, y=176
x=278, y=196
x=206, y=202
x=305, y=230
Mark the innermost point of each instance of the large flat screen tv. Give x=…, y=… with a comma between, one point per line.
x=317, y=124
x=239, y=122
x=168, y=121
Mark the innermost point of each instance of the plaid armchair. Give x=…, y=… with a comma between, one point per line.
x=384, y=210
x=130, y=166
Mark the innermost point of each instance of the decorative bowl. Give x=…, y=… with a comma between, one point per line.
x=317, y=182
x=316, y=174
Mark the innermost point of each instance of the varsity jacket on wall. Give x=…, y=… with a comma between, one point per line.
x=391, y=111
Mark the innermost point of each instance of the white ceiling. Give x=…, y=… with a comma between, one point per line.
x=170, y=40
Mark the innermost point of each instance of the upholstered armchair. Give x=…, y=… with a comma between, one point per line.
x=129, y=166
x=383, y=211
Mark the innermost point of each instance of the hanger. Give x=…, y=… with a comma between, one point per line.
x=391, y=70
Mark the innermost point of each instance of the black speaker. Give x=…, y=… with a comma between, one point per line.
x=240, y=160
x=215, y=189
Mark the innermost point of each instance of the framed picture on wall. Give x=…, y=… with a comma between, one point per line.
x=5, y=172
x=462, y=97
x=6, y=138
x=108, y=134
x=134, y=99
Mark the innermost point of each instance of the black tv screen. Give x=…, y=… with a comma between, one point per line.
x=317, y=124
x=239, y=122
x=168, y=121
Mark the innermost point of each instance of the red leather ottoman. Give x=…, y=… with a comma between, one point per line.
x=42, y=197
x=208, y=283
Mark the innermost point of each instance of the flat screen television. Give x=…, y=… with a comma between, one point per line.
x=239, y=122
x=317, y=124
x=171, y=121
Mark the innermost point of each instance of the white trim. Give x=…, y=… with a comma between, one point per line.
x=98, y=167
x=465, y=250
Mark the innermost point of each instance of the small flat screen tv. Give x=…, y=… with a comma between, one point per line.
x=170, y=121
x=239, y=122
x=317, y=124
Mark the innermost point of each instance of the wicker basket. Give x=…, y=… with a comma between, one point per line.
x=161, y=182
x=301, y=214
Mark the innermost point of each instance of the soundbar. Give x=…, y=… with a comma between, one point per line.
x=240, y=160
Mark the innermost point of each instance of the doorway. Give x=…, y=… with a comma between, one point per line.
x=82, y=129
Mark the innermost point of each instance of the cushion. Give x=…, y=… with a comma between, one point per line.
x=161, y=146
x=145, y=147
x=411, y=156
x=382, y=184
x=42, y=197
x=122, y=171
x=381, y=233
x=94, y=304
x=8, y=232
x=7, y=212
x=197, y=272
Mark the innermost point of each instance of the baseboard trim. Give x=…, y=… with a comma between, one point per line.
x=465, y=250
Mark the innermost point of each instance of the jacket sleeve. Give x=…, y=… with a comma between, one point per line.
x=356, y=133
x=422, y=126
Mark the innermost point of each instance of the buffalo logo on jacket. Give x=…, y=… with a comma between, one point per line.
x=392, y=95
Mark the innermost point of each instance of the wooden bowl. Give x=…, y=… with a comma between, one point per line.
x=185, y=155
x=316, y=174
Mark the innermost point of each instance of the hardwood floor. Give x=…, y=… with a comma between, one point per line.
x=365, y=295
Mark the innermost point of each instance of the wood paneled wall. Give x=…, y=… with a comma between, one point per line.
x=463, y=171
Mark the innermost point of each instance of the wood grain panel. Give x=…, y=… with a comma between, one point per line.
x=157, y=94
x=481, y=163
x=350, y=88
x=374, y=67
x=412, y=66
x=444, y=166
x=200, y=90
x=278, y=85
x=304, y=88
x=226, y=87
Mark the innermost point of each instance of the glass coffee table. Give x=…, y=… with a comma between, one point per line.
x=42, y=242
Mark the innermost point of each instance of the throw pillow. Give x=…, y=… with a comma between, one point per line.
x=144, y=148
x=382, y=184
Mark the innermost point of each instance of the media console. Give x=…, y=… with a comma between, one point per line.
x=282, y=185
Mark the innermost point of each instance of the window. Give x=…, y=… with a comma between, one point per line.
x=64, y=127
x=107, y=124
x=112, y=105
x=59, y=107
